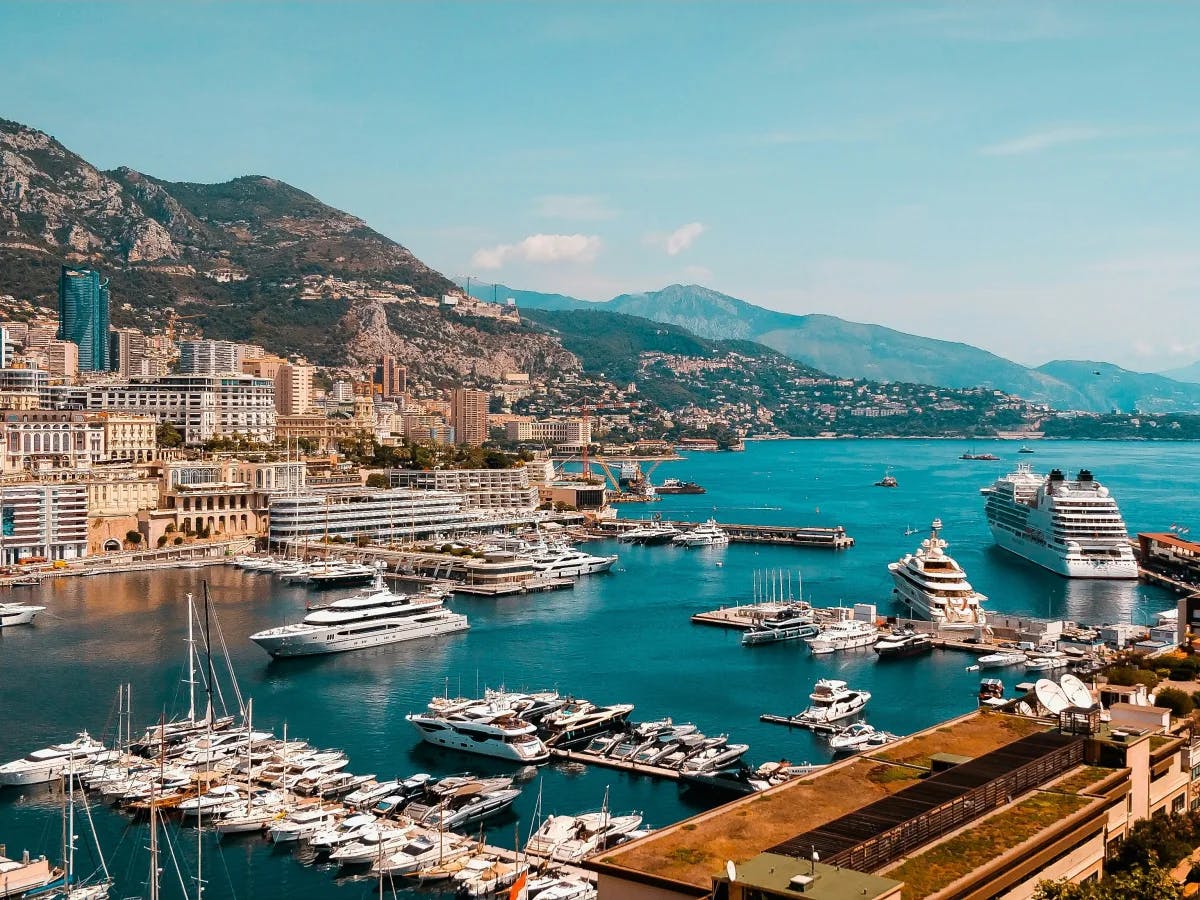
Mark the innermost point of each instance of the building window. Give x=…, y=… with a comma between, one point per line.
x=1178, y=804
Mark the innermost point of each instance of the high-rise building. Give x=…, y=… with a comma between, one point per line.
x=63, y=359
x=293, y=389
x=391, y=377
x=468, y=416
x=6, y=347
x=210, y=357
x=83, y=316
x=127, y=352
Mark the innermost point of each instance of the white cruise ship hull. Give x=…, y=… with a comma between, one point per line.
x=338, y=640
x=1065, y=564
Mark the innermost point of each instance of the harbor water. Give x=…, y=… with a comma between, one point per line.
x=621, y=637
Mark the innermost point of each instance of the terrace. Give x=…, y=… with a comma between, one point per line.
x=692, y=852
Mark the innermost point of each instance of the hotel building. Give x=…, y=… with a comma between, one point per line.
x=43, y=522
x=483, y=489
x=377, y=515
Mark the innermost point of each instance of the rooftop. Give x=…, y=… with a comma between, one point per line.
x=772, y=872
x=695, y=850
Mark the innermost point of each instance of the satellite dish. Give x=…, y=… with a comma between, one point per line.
x=730, y=870
x=1076, y=691
x=1051, y=696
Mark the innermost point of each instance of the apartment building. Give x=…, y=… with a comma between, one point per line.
x=376, y=515
x=481, y=489
x=293, y=389
x=42, y=522
x=39, y=440
x=575, y=432
x=210, y=357
x=469, y=416
x=128, y=437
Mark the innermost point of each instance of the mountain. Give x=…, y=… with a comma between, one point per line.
x=1103, y=383
x=1189, y=374
x=253, y=259
x=877, y=353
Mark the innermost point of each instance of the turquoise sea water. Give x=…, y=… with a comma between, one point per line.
x=624, y=637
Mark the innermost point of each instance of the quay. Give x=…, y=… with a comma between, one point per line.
x=795, y=722
x=831, y=538
x=535, y=586
x=621, y=765
x=187, y=556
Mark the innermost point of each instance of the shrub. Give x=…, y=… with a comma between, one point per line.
x=133, y=537
x=1183, y=673
x=1129, y=675
x=177, y=541
x=1179, y=703
x=162, y=541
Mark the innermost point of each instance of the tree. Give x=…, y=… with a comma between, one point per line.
x=378, y=480
x=1178, y=702
x=133, y=537
x=167, y=435
x=1149, y=883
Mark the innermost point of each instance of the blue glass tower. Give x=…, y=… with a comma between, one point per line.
x=83, y=316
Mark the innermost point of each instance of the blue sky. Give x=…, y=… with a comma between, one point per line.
x=1024, y=177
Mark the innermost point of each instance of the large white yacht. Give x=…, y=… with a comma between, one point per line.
x=374, y=617
x=481, y=727
x=707, y=535
x=848, y=635
x=1073, y=528
x=565, y=562
x=42, y=766
x=935, y=587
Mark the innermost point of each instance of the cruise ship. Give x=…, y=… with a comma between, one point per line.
x=1073, y=528
x=935, y=587
x=371, y=618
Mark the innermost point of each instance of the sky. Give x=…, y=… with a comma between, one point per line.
x=1022, y=177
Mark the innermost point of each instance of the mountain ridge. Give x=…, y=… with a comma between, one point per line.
x=880, y=353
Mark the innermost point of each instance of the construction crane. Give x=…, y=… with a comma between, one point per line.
x=174, y=317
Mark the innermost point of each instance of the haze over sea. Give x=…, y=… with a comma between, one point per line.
x=624, y=637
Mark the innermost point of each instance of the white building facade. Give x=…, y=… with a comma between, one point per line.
x=43, y=522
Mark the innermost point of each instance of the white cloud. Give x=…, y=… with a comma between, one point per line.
x=577, y=207
x=540, y=248
x=1038, y=141
x=675, y=242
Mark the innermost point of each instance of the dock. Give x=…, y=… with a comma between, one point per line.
x=826, y=538
x=621, y=765
x=536, y=586
x=794, y=722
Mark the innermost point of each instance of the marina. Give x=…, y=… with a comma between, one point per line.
x=621, y=635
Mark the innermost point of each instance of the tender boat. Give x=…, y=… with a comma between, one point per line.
x=859, y=736
x=43, y=766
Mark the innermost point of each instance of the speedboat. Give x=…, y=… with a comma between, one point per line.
x=831, y=701
x=1001, y=659
x=424, y=852
x=859, y=736
x=714, y=758
x=848, y=635
x=303, y=823
x=1046, y=660
x=707, y=535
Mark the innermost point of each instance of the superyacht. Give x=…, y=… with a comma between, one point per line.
x=484, y=728
x=371, y=618
x=1073, y=528
x=935, y=587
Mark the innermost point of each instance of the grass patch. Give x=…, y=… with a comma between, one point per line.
x=1161, y=740
x=689, y=856
x=889, y=774
x=945, y=863
x=1084, y=778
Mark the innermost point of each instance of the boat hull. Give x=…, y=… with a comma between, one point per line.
x=284, y=646
x=1068, y=566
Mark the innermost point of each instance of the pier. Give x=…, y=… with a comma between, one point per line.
x=826, y=538
x=621, y=765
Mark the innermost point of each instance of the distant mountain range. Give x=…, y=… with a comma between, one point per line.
x=1190, y=374
x=873, y=352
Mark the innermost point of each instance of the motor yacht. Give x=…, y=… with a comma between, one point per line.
x=832, y=701
x=707, y=535
x=567, y=562
x=485, y=729
x=859, y=736
x=579, y=720
x=903, y=643
x=850, y=634
x=43, y=766
x=372, y=618
x=935, y=587
x=793, y=622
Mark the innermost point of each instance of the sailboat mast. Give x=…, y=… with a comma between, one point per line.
x=191, y=641
x=153, y=886
x=70, y=824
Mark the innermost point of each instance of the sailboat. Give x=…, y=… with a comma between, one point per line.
x=87, y=890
